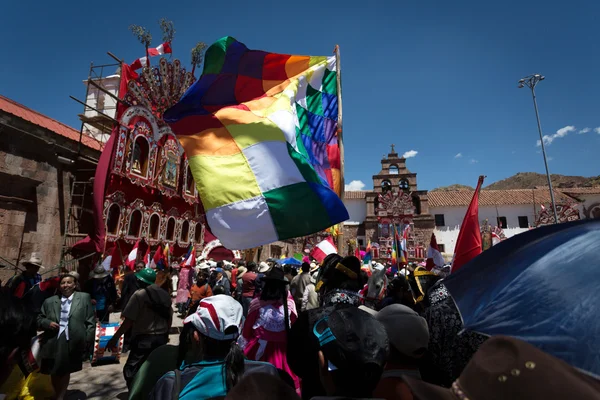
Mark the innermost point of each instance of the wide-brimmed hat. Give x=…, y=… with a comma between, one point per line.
x=276, y=274
x=99, y=272
x=263, y=267
x=241, y=272
x=34, y=260
x=352, y=339
x=146, y=275
x=508, y=368
x=215, y=315
x=407, y=330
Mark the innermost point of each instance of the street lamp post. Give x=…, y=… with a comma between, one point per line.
x=531, y=81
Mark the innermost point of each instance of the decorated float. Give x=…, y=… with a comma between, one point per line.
x=144, y=191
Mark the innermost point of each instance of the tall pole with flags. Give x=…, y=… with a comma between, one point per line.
x=340, y=136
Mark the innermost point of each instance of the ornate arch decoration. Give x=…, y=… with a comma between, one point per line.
x=210, y=246
x=197, y=232
x=169, y=164
x=112, y=203
x=172, y=224
x=186, y=232
x=137, y=122
x=137, y=221
x=566, y=213
x=189, y=191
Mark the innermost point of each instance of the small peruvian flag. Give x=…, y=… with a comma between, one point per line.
x=434, y=256
x=323, y=249
x=141, y=62
x=132, y=257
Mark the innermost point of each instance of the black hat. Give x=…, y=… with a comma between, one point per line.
x=350, y=266
x=276, y=274
x=352, y=338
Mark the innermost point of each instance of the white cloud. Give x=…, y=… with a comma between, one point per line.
x=597, y=130
x=473, y=161
x=584, y=130
x=410, y=154
x=354, y=185
x=459, y=155
x=562, y=132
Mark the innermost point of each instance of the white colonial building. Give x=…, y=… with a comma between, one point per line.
x=395, y=200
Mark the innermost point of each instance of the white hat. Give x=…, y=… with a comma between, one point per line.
x=378, y=266
x=215, y=314
x=204, y=266
x=314, y=267
x=263, y=267
x=34, y=260
x=407, y=330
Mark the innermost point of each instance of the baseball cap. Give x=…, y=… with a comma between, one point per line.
x=219, y=269
x=215, y=315
x=406, y=329
x=351, y=338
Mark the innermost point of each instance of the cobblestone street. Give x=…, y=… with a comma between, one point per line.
x=106, y=381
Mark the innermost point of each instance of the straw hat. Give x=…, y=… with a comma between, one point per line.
x=263, y=267
x=99, y=272
x=35, y=260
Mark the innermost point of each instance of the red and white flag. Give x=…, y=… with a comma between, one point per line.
x=323, y=249
x=132, y=257
x=190, y=262
x=468, y=244
x=141, y=62
x=147, y=259
x=164, y=48
x=434, y=256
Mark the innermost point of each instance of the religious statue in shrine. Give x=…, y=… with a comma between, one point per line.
x=136, y=165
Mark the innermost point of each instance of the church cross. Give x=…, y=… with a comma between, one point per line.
x=393, y=150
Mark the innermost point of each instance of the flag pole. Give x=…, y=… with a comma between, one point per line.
x=338, y=68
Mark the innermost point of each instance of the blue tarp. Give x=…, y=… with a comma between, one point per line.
x=289, y=261
x=541, y=286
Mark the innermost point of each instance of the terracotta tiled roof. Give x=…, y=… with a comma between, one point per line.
x=19, y=110
x=581, y=190
x=462, y=198
x=355, y=194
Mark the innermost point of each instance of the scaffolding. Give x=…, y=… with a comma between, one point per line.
x=101, y=100
x=97, y=122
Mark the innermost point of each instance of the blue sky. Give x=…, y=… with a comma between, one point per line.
x=437, y=78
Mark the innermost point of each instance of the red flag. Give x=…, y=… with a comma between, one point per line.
x=434, y=256
x=468, y=244
x=357, y=253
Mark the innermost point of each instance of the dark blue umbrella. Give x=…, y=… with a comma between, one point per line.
x=541, y=286
x=289, y=261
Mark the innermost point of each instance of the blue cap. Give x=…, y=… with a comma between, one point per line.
x=219, y=270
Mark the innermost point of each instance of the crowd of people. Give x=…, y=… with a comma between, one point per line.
x=270, y=331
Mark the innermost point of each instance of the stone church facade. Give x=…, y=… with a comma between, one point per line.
x=394, y=201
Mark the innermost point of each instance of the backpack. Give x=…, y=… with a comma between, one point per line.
x=160, y=309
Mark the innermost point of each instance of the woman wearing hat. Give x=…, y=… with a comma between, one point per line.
x=265, y=333
x=68, y=323
x=23, y=282
x=101, y=288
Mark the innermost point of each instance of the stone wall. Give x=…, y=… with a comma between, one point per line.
x=34, y=192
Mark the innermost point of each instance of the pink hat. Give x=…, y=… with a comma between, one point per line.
x=215, y=315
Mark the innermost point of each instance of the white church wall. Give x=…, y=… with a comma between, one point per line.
x=453, y=217
x=357, y=209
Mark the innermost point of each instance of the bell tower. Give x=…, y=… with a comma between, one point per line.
x=395, y=185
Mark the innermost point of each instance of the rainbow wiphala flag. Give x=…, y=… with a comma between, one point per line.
x=260, y=131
